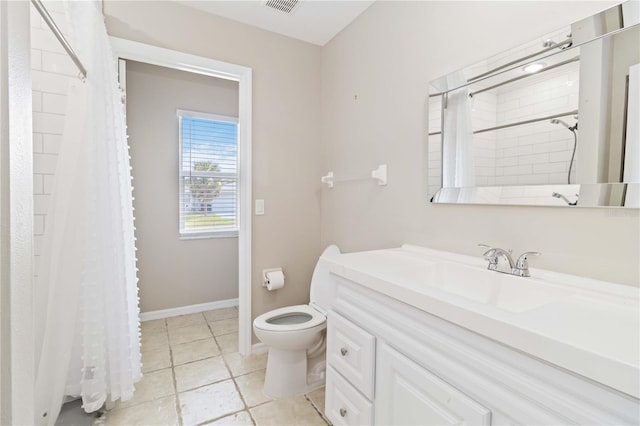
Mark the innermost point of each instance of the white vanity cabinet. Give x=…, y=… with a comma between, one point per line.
x=390, y=363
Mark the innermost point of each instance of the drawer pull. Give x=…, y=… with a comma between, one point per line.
x=344, y=352
x=343, y=412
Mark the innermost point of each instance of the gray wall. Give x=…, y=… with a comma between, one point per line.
x=387, y=58
x=286, y=130
x=173, y=272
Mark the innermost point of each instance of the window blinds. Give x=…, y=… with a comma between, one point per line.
x=208, y=174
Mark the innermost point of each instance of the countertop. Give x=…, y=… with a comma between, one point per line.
x=586, y=326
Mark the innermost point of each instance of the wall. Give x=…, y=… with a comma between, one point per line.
x=51, y=71
x=286, y=129
x=173, y=272
x=375, y=79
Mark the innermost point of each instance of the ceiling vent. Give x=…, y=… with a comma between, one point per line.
x=284, y=6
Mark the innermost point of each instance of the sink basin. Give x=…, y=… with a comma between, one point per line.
x=503, y=291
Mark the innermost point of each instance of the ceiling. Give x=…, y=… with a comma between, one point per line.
x=313, y=21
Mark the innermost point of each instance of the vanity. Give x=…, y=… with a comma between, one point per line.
x=426, y=337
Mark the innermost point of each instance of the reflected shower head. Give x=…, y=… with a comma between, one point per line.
x=556, y=121
x=572, y=128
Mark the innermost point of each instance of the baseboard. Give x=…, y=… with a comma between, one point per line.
x=184, y=310
x=258, y=348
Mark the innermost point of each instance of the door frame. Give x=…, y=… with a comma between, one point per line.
x=127, y=49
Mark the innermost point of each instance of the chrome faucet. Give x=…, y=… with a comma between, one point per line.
x=520, y=267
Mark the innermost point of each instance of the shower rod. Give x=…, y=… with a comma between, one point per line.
x=519, y=123
x=56, y=32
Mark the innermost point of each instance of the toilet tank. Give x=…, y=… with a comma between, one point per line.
x=323, y=287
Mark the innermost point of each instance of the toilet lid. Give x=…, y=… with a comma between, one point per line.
x=297, y=317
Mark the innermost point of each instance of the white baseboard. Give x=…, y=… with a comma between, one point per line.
x=191, y=309
x=258, y=348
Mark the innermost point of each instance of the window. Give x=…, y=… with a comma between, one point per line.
x=208, y=175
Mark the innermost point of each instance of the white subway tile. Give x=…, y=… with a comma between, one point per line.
x=562, y=156
x=550, y=168
x=38, y=224
x=35, y=19
x=534, y=159
x=48, y=183
x=38, y=184
x=41, y=203
x=37, y=143
x=43, y=38
x=38, y=241
x=36, y=101
x=51, y=144
x=36, y=59
x=54, y=103
x=58, y=63
x=49, y=82
x=44, y=163
x=48, y=123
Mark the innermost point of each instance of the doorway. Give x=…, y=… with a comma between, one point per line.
x=228, y=77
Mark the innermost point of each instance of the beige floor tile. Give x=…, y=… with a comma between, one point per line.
x=287, y=411
x=185, y=320
x=250, y=386
x=228, y=343
x=225, y=326
x=317, y=397
x=238, y=419
x=153, y=385
x=189, y=333
x=194, y=351
x=158, y=412
x=200, y=373
x=220, y=314
x=154, y=341
x=240, y=365
x=155, y=360
x=153, y=326
x=209, y=402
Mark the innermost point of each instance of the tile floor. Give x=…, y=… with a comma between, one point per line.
x=194, y=375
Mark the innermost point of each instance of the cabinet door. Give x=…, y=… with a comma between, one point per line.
x=408, y=394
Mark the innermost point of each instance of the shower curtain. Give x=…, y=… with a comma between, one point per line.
x=457, y=142
x=87, y=326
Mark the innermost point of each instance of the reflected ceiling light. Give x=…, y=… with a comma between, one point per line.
x=534, y=67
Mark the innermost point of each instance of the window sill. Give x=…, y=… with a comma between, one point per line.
x=201, y=236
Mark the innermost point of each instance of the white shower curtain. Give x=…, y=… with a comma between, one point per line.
x=87, y=326
x=457, y=141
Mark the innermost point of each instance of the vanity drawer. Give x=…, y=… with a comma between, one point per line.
x=344, y=404
x=351, y=351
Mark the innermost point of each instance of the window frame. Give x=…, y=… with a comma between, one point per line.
x=230, y=232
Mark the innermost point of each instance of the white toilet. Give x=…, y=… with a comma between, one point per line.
x=295, y=336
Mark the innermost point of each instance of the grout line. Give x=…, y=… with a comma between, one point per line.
x=233, y=379
x=173, y=376
x=320, y=412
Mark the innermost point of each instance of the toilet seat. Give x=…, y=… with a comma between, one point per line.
x=276, y=320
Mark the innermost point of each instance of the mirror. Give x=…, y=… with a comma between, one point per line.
x=551, y=122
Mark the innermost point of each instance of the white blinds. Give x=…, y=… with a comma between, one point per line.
x=208, y=174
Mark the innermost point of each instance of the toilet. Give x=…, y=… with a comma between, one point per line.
x=296, y=338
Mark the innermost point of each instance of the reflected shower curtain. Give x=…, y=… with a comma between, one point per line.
x=457, y=141
x=87, y=326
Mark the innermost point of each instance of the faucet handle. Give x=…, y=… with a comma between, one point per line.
x=523, y=260
x=484, y=245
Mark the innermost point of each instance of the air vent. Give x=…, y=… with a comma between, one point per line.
x=284, y=6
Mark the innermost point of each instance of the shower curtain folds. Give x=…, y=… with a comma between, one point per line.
x=87, y=304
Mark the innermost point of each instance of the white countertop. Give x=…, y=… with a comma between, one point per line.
x=586, y=326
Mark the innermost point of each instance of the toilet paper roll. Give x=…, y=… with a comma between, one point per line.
x=275, y=280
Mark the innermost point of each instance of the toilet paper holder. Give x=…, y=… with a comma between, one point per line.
x=265, y=280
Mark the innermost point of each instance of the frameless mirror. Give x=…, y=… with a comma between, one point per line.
x=551, y=122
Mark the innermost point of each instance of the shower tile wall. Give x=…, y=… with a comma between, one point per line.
x=51, y=72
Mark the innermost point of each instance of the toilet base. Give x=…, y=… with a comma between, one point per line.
x=287, y=373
